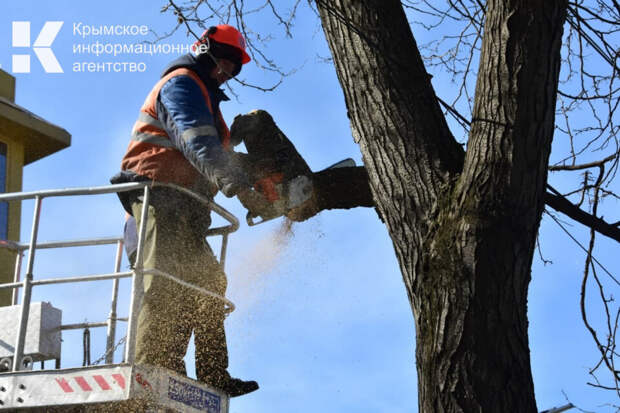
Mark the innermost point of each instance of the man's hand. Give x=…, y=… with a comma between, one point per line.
x=233, y=186
x=233, y=178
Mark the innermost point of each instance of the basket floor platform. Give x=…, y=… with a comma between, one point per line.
x=107, y=388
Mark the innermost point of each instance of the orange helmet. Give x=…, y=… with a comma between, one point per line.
x=227, y=35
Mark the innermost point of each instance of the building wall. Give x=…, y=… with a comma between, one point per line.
x=28, y=138
x=7, y=86
x=15, y=164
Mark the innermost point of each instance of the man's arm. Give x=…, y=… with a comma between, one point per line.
x=182, y=109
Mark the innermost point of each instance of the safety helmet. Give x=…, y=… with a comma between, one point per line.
x=227, y=38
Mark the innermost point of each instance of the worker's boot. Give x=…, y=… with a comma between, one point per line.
x=236, y=387
x=232, y=386
x=221, y=379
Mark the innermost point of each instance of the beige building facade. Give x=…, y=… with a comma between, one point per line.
x=24, y=138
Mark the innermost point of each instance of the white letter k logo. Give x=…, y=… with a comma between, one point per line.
x=42, y=47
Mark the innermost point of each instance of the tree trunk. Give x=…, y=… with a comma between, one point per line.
x=463, y=231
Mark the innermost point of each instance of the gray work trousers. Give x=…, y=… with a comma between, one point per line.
x=175, y=243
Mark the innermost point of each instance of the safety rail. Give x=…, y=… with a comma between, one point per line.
x=136, y=274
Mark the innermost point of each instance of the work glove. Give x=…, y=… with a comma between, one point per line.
x=230, y=175
x=232, y=183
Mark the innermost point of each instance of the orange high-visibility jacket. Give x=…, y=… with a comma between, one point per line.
x=190, y=140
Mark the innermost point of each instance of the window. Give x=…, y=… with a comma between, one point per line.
x=4, y=206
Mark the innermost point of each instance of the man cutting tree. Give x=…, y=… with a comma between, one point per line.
x=180, y=137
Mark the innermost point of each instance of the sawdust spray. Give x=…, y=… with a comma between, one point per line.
x=262, y=258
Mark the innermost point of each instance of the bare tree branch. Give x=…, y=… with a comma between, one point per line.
x=563, y=205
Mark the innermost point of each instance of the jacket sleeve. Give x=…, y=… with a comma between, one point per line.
x=182, y=109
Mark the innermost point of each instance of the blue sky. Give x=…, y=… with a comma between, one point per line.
x=322, y=320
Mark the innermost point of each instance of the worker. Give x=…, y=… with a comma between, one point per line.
x=181, y=137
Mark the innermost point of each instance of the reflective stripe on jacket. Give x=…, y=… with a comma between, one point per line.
x=184, y=159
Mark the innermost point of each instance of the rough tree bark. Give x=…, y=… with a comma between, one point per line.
x=463, y=227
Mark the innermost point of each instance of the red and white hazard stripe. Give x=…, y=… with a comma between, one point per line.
x=90, y=383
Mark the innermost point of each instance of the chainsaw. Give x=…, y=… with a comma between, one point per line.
x=282, y=179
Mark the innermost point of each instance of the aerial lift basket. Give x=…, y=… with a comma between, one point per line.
x=30, y=332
